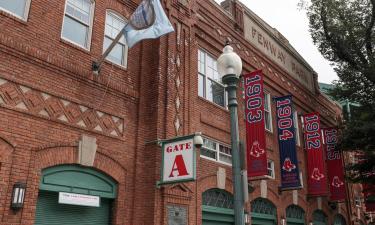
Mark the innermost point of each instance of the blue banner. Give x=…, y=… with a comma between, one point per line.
x=287, y=144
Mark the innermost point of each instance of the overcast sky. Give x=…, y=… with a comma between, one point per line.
x=293, y=24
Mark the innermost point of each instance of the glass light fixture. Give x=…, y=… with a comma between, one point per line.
x=18, y=195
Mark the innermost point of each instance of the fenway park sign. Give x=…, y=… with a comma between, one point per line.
x=178, y=160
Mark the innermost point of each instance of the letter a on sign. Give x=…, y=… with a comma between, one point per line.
x=179, y=166
x=178, y=163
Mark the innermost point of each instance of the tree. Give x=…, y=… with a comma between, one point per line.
x=343, y=31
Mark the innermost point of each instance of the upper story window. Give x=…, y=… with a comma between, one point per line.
x=77, y=23
x=215, y=151
x=296, y=128
x=271, y=169
x=209, y=84
x=113, y=25
x=18, y=8
x=267, y=111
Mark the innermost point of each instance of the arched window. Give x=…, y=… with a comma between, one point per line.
x=217, y=198
x=263, y=212
x=217, y=207
x=339, y=220
x=319, y=217
x=295, y=215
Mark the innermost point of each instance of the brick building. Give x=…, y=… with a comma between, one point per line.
x=66, y=130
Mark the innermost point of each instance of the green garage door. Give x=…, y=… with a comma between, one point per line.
x=295, y=215
x=79, y=180
x=50, y=212
x=217, y=207
x=263, y=212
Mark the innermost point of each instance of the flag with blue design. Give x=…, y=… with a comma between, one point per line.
x=147, y=22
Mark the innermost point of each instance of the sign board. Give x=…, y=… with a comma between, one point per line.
x=178, y=160
x=177, y=215
x=262, y=38
x=79, y=199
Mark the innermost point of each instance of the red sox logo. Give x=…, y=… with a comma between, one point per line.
x=336, y=182
x=288, y=165
x=316, y=175
x=256, y=151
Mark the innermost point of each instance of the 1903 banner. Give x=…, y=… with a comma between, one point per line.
x=255, y=128
x=287, y=144
x=316, y=179
x=334, y=165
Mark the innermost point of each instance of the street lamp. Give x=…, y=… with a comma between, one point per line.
x=229, y=67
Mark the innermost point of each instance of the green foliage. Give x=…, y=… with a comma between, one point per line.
x=343, y=31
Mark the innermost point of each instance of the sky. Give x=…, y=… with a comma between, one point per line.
x=285, y=16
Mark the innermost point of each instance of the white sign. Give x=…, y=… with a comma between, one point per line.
x=78, y=199
x=278, y=53
x=178, y=160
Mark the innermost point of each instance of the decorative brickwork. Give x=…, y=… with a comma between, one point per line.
x=47, y=106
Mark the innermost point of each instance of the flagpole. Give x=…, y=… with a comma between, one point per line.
x=97, y=64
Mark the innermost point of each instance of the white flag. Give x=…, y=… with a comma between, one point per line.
x=148, y=21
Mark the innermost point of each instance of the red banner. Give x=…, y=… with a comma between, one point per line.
x=316, y=179
x=369, y=192
x=255, y=128
x=335, y=168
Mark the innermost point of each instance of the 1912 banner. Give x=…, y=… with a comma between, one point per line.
x=255, y=129
x=316, y=180
x=287, y=144
x=335, y=167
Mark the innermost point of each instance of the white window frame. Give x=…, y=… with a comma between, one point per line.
x=217, y=152
x=125, y=57
x=267, y=98
x=25, y=13
x=89, y=35
x=205, y=79
x=296, y=128
x=271, y=167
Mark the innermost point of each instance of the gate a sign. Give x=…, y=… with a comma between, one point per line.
x=178, y=160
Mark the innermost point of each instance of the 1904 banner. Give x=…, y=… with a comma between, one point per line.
x=334, y=165
x=316, y=179
x=255, y=129
x=287, y=144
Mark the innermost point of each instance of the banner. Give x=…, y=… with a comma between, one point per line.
x=255, y=128
x=287, y=143
x=335, y=168
x=369, y=195
x=316, y=180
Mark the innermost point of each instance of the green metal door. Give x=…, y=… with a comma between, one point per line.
x=263, y=212
x=79, y=180
x=217, y=207
x=50, y=212
x=295, y=215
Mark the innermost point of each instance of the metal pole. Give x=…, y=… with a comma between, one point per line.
x=231, y=81
x=97, y=64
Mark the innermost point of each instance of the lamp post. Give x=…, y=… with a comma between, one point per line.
x=230, y=67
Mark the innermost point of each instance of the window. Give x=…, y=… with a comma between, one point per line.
x=296, y=128
x=18, y=8
x=113, y=25
x=267, y=111
x=209, y=84
x=216, y=151
x=357, y=200
x=271, y=169
x=77, y=23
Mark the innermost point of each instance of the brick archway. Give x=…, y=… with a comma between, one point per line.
x=60, y=154
x=6, y=150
